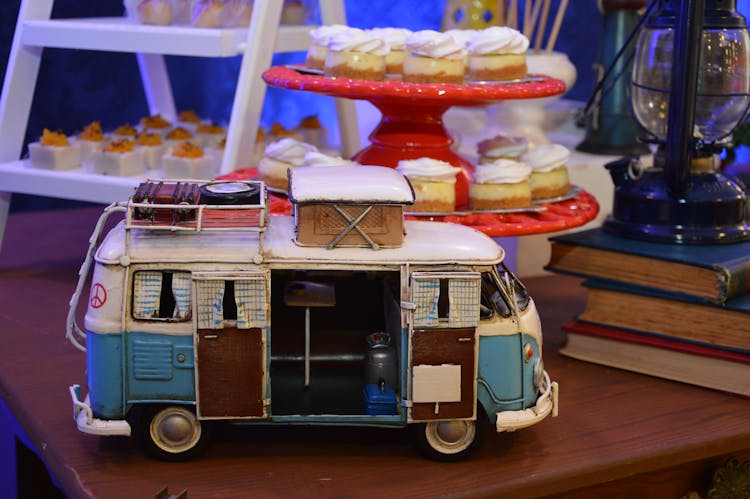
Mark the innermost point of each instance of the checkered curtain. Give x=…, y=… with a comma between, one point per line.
x=425, y=293
x=463, y=296
x=250, y=296
x=146, y=294
x=210, y=306
x=181, y=291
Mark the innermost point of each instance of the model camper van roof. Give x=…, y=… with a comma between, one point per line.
x=425, y=243
x=350, y=184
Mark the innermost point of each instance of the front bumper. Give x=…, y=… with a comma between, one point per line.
x=546, y=404
x=87, y=423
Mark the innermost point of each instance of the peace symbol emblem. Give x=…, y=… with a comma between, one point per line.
x=98, y=296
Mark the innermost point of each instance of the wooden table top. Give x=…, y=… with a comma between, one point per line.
x=612, y=424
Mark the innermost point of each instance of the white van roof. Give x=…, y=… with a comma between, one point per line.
x=354, y=184
x=425, y=243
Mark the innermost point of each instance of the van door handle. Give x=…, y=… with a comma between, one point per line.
x=465, y=340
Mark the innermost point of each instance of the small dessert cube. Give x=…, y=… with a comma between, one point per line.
x=153, y=148
x=207, y=13
x=177, y=136
x=120, y=158
x=124, y=132
x=207, y=134
x=188, y=160
x=157, y=12
x=54, y=152
x=188, y=119
x=155, y=124
x=91, y=140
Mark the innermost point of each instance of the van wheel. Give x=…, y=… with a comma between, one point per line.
x=172, y=433
x=446, y=440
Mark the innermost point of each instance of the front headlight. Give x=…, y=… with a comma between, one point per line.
x=538, y=372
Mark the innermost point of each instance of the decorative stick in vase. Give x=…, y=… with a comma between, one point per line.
x=502, y=13
x=527, y=15
x=542, y=26
x=529, y=31
x=556, y=27
x=513, y=14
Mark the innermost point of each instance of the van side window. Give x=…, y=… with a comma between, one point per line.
x=229, y=306
x=445, y=300
x=161, y=295
x=241, y=301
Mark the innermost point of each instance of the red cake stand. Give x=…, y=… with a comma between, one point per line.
x=412, y=113
x=556, y=216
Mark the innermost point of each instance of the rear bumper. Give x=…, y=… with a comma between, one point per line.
x=87, y=423
x=546, y=404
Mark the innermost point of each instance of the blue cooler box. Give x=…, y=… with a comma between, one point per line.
x=380, y=402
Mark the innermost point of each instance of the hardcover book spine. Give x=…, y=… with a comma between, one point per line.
x=715, y=273
x=734, y=278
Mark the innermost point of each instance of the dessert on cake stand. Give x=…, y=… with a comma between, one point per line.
x=412, y=127
x=532, y=118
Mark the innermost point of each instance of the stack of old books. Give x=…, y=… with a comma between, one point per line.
x=680, y=312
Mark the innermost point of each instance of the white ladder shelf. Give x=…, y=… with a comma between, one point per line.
x=256, y=44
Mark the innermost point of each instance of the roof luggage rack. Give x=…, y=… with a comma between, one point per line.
x=197, y=205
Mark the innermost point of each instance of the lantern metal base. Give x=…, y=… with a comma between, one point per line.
x=714, y=211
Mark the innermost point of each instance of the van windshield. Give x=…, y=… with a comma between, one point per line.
x=497, y=289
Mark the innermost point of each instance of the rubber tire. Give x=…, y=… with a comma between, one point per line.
x=249, y=195
x=146, y=432
x=426, y=438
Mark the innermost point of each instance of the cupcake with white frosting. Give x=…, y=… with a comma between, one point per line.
x=434, y=183
x=463, y=37
x=434, y=58
x=500, y=184
x=278, y=158
x=356, y=54
x=316, y=53
x=317, y=158
x=549, y=176
x=497, y=53
x=501, y=146
x=396, y=40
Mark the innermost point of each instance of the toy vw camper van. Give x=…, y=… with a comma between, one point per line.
x=203, y=307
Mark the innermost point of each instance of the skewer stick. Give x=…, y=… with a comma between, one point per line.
x=556, y=27
x=534, y=18
x=501, y=12
x=527, y=15
x=542, y=26
x=513, y=14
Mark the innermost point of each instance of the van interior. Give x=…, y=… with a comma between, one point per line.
x=350, y=314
